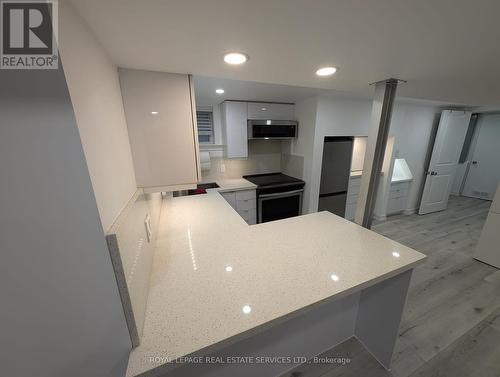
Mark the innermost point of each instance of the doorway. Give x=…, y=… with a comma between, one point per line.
x=483, y=171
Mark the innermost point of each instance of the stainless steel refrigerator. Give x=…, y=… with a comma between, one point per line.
x=335, y=173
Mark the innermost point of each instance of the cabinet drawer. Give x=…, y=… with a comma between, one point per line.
x=398, y=190
x=352, y=199
x=355, y=181
x=354, y=185
x=252, y=219
x=353, y=190
x=245, y=195
x=395, y=205
x=246, y=213
x=246, y=204
x=230, y=198
x=350, y=211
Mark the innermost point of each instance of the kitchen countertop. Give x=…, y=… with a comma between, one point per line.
x=216, y=280
x=236, y=184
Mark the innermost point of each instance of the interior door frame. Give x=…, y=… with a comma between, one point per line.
x=470, y=158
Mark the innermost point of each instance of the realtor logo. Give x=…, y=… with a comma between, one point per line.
x=29, y=31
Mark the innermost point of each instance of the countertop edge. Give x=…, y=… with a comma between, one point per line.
x=169, y=366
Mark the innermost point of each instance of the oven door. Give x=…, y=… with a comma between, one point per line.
x=279, y=205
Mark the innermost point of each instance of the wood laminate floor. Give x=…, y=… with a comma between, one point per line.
x=451, y=323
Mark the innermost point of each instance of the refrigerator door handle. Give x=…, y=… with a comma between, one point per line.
x=324, y=195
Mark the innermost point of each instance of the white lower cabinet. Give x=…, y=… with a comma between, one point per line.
x=230, y=197
x=244, y=202
x=397, y=197
x=395, y=204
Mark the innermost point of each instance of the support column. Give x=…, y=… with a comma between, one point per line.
x=383, y=101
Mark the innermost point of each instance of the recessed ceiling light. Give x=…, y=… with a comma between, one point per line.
x=334, y=277
x=235, y=58
x=229, y=268
x=263, y=108
x=326, y=71
x=154, y=112
x=395, y=254
x=246, y=309
x=219, y=91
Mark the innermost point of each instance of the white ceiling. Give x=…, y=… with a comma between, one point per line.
x=249, y=91
x=265, y=92
x=447, y=50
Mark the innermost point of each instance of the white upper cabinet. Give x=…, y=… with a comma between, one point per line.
x=161, y=121
x=234, y=124
x=272, y=111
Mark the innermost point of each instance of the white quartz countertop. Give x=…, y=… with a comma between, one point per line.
x=236, y=184
x=216, y=279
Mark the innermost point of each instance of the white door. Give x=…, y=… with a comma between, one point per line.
x=443, y=164
x=484, y=170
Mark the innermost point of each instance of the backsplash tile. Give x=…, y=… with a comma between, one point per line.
x=132, y=256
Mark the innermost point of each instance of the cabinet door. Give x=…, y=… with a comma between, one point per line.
x=230, y=198
x=161, y=127
x=234, y=122
x=274, y=111
x=398, y=190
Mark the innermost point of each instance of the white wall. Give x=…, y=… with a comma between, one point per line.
x=264, y=156
x=95, y=92
x=305, y=111
x=483, y=178
x=61, y=313
x=338, y=116
x=358, y=153
x=412, y=127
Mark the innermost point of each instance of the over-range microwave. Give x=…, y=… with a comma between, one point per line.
x=272, y=129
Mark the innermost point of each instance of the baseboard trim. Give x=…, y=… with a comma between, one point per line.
x=410, y=211
x=379, y=218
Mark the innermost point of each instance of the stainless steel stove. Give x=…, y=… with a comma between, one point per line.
x=278, y=196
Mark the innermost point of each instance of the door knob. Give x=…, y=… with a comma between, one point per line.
x=474, y=162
